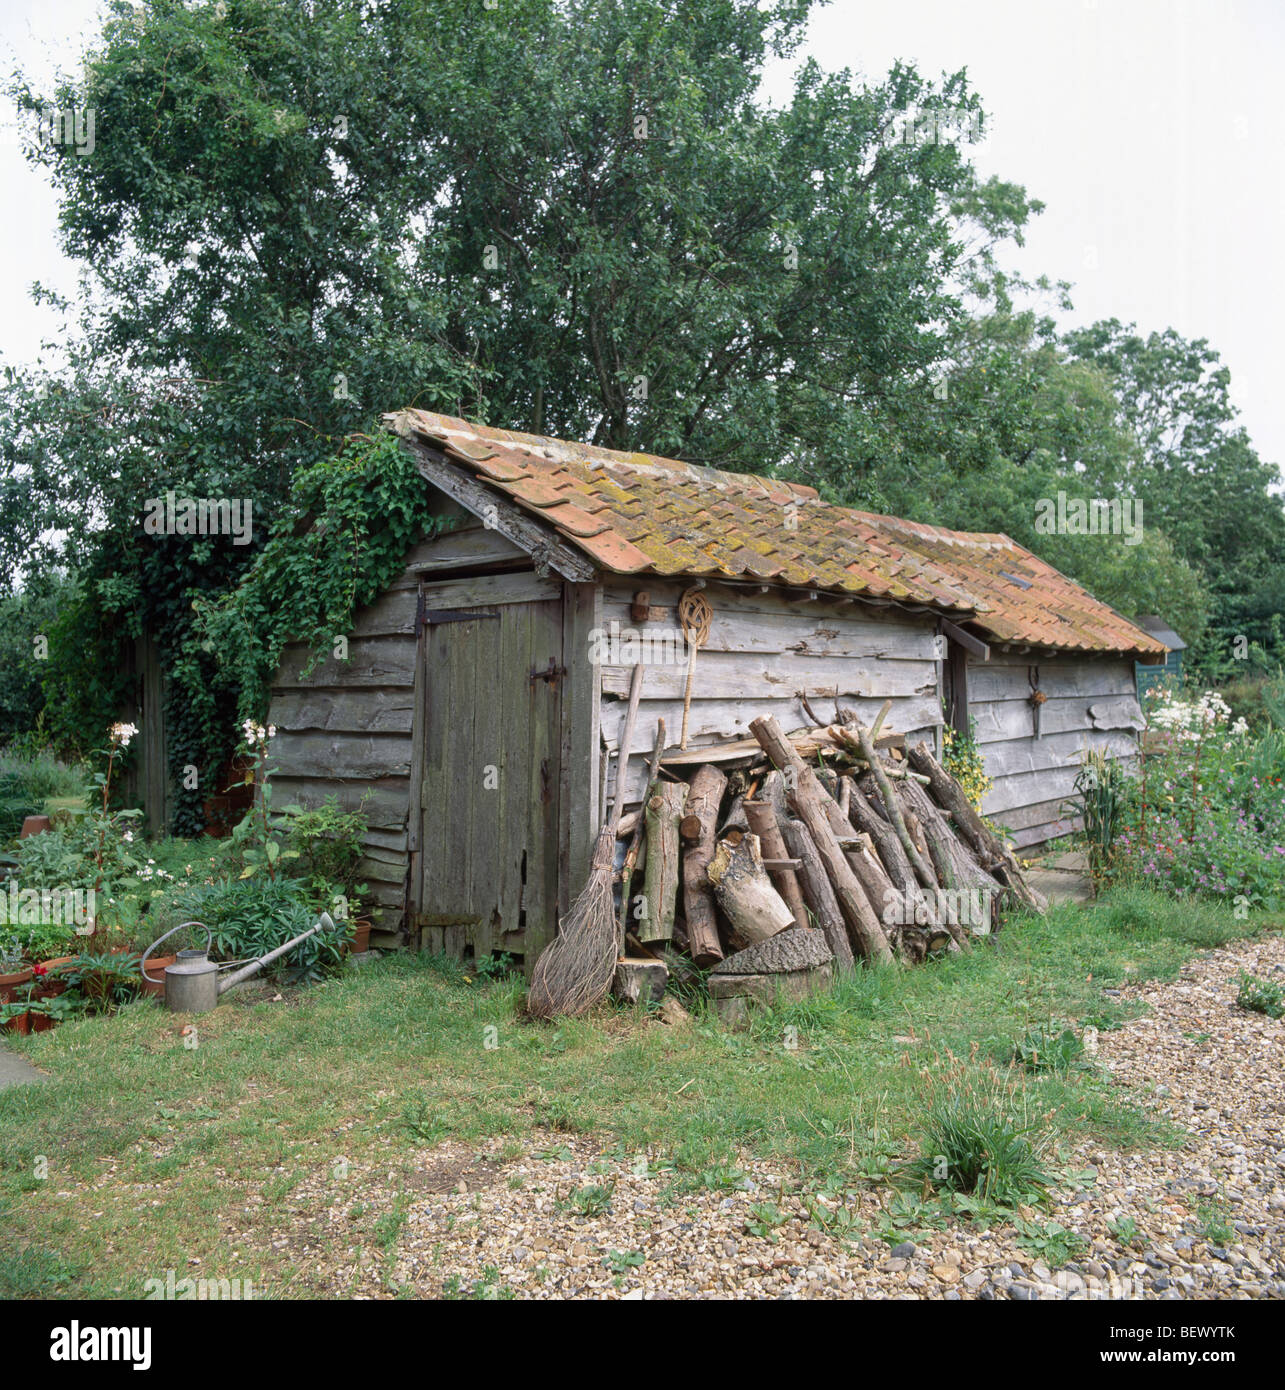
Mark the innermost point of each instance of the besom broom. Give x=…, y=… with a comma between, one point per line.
x=575, y=970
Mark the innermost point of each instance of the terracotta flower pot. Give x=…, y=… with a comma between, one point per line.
x=53, y=984
x=35, y=825
x=40, y=1023
x=21, y=1023
x=154, y=975
x=10, y=984
x=361, y=935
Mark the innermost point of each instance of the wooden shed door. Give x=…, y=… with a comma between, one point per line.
x=489, y=803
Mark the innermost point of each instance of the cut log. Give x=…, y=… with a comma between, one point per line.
x=640, y=979
x=888, y=847
x=660, y=882
x=917, y=862
x=992, y=853
x=807, y=800
x=763, y=823
x=735, y=818
x=817, y=892
x=883, y=898
x=703, y=798
x=746, y=893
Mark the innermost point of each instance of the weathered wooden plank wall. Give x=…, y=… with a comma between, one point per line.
x=1092, y=703
x=762, y=649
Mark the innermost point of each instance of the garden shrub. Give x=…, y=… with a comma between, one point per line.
x=247, y=919
x=1207, y=813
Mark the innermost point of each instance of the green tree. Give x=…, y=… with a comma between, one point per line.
x=1201, y=480
x=570, y=216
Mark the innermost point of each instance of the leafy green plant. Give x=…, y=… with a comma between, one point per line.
x=327, y=845
x=16, y=803
x=421, y=1124
x=594, y=1199
x=1048, y=1049
x=620, y=1262
x=1260, y=996
x=764, y=1219
x=1214, y=1222
x=104, y=982
x=249, y=918
x=963, y=759
x=1101, y=789
x=12, y=953
x=1050, y=1240
x=1126, y=1233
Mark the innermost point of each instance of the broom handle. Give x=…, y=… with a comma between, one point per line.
x=622, y=754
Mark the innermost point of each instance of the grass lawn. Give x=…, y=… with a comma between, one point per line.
x=158, y=1154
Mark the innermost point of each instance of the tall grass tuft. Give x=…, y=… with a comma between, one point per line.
x=1101, y=788
x=978, y=1137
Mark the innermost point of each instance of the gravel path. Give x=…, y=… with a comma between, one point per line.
x=1206, y=1221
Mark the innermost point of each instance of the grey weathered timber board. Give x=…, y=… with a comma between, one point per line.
x=998, y=720
x=1059, y=676
x=466, y=548
x=385, y=661
x=484, y=590
x=753, y=676
x=784, y=631
x=385, y=808
x=343, y=756
x=1020, y=755
x=1041, y=814
x=366, y=710
x=755, y=599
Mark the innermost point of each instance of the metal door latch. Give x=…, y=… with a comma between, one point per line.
x=550, y=675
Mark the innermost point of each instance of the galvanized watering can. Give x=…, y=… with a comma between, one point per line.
x=193, y=983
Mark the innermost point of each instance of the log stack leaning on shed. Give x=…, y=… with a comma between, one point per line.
x=821, y=848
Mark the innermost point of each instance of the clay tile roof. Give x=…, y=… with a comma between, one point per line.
x=641, y=514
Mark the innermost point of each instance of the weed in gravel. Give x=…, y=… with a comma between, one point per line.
x=1124, y=1230
x=764, y=1219
x=594, y=1199
x=1050, y=1240
x=1048, y=1048
x=422, y=1126
x=1214, y=1219
x=487, y=1287
x=1260, y=996
x=620, y=1262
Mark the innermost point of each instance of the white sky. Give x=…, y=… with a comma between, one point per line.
x=1150, y=128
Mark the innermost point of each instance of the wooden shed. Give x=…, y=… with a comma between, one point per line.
x=1169, y=672
x=481, y=687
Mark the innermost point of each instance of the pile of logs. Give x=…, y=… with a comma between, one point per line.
x=840, y=830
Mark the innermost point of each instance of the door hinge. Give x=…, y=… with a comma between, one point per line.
x=435, y=617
